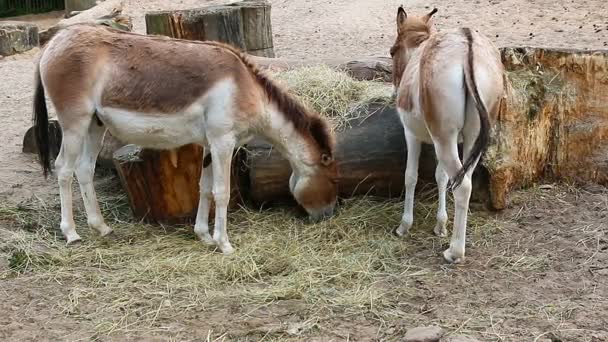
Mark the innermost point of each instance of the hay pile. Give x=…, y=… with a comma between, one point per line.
x=333, y=93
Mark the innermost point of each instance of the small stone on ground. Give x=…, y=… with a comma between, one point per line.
x=461, y=338
x=423, y=334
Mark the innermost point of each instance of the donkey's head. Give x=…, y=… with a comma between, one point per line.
x=411, y=32
x=315, y=187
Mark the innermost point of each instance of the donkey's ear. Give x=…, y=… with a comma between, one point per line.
x=428, y=16
x=401, y=16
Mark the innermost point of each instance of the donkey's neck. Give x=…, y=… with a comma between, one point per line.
x=295, y=147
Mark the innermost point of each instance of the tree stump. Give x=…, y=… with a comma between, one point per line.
x=17, y=37
x=163, y=186
x=245, y=24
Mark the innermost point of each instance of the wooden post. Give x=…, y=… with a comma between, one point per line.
x=246, y=25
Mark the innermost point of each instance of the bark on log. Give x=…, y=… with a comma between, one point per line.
x=17, y=37
x=108, y=13
x=160, y=191
x=246, y=25
x=371, y=155
x=554, y=123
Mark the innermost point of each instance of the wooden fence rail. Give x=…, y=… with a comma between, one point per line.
x=9, y=8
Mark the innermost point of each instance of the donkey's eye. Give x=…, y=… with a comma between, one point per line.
x=393, y=50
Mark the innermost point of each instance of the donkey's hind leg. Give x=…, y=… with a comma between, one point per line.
x=201, y=227
x=442, y=214
x=447, y=153
x=65, y=164
x=411, y=178
x=85, y=171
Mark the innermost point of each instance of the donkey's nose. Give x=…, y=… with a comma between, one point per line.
x=322, y=214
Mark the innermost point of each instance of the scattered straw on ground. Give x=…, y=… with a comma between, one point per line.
x=147, y=273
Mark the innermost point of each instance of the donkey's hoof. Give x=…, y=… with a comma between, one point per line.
x=440, y=230
x=207, y=239
x=73, y=239
x=226, y=248
x=402, y=230
x=453, y=258
x=105, y=231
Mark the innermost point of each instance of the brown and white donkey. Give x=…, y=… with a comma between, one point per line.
x=449, y=86
x=163, y=93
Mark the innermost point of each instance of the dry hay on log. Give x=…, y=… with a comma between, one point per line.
x=334, y=94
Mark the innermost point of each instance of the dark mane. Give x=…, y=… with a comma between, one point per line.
x=304, y=121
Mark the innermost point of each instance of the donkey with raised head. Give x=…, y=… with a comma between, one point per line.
x=449, y=86
x=163, y=93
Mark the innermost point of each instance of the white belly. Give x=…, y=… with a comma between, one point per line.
x=165, y=131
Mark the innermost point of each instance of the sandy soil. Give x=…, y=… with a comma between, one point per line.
x=575, y=284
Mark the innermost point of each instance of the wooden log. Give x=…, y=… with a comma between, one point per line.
x=553, y=125
x=78, y=5
x=17, y=37
x=245, y=24
x=371, y=155
x=162, y=189
x=108, y=13
x=257, y=27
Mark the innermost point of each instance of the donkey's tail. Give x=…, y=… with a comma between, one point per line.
x=483, y=138
x=41, y=125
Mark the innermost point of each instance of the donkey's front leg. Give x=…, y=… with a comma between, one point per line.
x=221, y=154
x=411, y=178
x=201, y=227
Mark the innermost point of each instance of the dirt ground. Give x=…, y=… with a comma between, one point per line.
x=542, y=276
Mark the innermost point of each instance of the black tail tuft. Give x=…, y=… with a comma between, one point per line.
x=483, y=138
x=41, y=125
